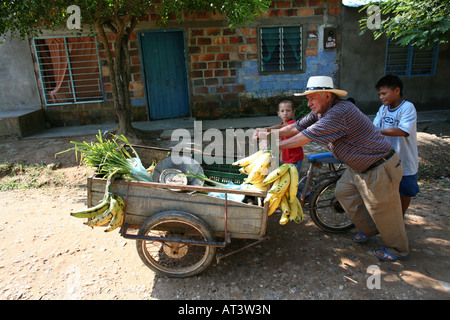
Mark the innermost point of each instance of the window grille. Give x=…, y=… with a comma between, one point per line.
x=410, y=60
x=69, y=70
x=281, y=49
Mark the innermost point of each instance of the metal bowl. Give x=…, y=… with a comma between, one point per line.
x=183, y=164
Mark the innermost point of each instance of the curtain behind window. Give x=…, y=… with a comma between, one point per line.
x=69, y=69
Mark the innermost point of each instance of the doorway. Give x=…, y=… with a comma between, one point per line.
x=165, y=73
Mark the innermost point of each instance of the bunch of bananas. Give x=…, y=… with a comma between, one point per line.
x=256, y=166
x=283, y=193
x=284, y=179
x=111, y=210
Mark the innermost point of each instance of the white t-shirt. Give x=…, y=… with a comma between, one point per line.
x=404, y=117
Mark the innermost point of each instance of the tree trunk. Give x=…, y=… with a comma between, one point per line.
x=119, y=72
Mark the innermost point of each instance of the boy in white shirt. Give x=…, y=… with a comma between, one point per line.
x=397, y=121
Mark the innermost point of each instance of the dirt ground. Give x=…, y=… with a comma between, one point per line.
x=45, y=254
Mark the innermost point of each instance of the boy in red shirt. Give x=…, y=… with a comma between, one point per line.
x=286, y=113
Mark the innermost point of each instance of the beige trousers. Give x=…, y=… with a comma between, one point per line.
x=372, y=201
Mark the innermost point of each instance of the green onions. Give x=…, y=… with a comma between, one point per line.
x=108, y=157
x=202, y=176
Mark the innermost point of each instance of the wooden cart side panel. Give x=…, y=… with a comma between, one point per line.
x=244, y=220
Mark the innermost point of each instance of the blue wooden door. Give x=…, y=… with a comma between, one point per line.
x=165, y=76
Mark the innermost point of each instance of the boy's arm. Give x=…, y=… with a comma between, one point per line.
x=277, y=126
x=394, y=132
x=407, y=120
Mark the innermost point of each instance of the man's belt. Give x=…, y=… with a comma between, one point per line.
x=381, y=161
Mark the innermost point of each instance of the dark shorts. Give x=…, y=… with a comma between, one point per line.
x=409, y=186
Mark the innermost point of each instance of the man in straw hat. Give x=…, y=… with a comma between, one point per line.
x=368, y=190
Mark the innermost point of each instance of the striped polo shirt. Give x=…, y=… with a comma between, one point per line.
x=348, y=134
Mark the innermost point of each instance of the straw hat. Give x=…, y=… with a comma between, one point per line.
x=321, y=84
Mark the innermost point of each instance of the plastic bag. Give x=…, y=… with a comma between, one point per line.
x=231, y=196
x=138, y=172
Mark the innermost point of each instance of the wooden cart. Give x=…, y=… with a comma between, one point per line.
x=177, y=231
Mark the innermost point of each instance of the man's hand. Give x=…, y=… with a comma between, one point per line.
x=260, y=134
x=263, y=144
x=256, y=134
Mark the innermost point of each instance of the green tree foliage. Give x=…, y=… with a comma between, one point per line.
x=28, y=18
x=419, y=23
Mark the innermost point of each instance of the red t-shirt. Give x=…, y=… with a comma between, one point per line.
x=291, y=155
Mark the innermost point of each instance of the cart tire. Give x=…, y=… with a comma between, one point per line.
x=174, y=259
x=324, y=209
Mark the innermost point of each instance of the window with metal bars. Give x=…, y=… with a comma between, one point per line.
x=281, y=49
x=69, y=70
x=409, y=60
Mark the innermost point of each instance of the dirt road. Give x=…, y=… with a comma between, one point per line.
x=47, y=254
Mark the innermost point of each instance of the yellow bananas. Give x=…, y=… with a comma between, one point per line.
x=285, y=209
x=293, y=184
x=111, y=210
x=93, y=211
x=271, y=195
x=274, y=204
x=106, y=216
x=283, y=186
x=256, y=166
x=277, y=173
x=259, y=169
x=283, y=193
x=248, y=160
x=296, y=216
x=113, y=216
x=119, y=215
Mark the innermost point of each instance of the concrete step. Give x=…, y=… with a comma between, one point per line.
x=21, y=123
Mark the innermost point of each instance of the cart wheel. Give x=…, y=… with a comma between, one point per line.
x=324, y=209
x=176, y=259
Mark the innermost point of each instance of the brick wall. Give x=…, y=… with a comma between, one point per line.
x=223, y=63
x=215, y=55
x=224, y=76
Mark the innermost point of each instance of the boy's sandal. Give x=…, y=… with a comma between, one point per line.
x=383, y=254
x=361, y=237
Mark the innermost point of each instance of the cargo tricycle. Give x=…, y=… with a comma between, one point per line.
x=178, y=228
